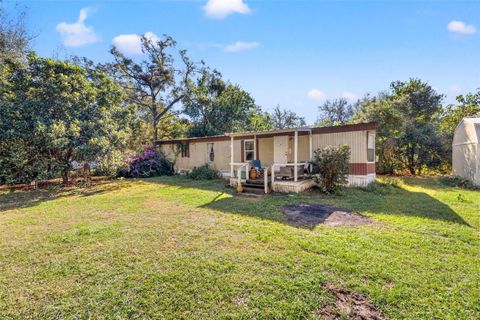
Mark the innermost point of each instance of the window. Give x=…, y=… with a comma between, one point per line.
x=371, y=147
x=249, y=150
x=210, y=152
x=184, y=149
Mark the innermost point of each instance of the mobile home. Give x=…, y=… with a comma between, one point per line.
x=283, y=154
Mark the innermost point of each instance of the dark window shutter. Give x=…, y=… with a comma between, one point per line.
x=242, y=151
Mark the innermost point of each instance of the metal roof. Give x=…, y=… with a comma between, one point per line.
x=300, y=129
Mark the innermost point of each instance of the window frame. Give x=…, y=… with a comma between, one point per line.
x=209, y=160
x=245, y=151
x=371, y=134
x=185, y=150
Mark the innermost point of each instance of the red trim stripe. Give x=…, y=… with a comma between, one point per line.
x=361, y=168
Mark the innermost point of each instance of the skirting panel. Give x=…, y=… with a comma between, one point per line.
x=291, y=186
x=361, y=180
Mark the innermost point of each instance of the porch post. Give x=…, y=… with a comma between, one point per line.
x=310, y=143
x=231, y=158
x=255, y=147
x=295, y=156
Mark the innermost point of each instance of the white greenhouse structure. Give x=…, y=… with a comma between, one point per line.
x=466, y=150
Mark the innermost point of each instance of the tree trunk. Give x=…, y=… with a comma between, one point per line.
x=154, y=123
x=155, y=134
x=66, y=166
x=65, y=175
x=412, y=170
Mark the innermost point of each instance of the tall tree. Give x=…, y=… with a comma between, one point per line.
x=421, y=105
x=335, y=112
x=408, y=119
x=159, y=81
x=14, y=37
x=53, y=113
x=216, y=106
x=257, y=120
x=283, y=119
x=467, y=106
x=382, y=110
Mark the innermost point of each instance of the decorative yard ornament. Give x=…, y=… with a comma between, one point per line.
x=239, y=187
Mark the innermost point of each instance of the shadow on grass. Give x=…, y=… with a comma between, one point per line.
x=391, y=201
x=19, y=199
x=388, y=201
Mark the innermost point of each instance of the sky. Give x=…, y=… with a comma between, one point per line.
x=290, y=52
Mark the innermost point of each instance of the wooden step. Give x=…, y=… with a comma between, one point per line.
x=253, y=190
x=255, y=185
x=255, y=182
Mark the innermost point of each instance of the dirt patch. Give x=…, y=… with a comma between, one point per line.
x=348, y=305
x=309, y=215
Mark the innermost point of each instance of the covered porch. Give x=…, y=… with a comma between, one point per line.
x=280, y=158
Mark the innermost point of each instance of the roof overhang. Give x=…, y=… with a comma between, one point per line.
x=278, y=132
x=268, y=132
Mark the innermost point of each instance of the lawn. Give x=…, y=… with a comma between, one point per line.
x=176, y=249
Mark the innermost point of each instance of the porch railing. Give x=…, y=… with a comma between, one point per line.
x=240, y=166
x=265, y=178
x=282, y=165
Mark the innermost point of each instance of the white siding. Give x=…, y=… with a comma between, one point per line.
x=356, y=140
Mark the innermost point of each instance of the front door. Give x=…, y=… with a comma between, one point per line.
x=280, y=149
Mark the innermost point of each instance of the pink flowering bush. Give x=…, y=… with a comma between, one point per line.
x=149, y=163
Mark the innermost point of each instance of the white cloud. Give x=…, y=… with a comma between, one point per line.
x=240, y=46
x=350, y=96
x=461, y=27
x=219, y=9
x=131, y=44
x=316, y=94
x=78, y=34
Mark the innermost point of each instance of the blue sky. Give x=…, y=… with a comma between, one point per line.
x=292, y=53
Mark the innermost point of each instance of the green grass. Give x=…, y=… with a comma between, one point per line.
x=174, y=248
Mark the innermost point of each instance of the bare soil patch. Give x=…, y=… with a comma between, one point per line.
x=349, y=305
x=310, y=215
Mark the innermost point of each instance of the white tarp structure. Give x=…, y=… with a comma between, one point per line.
x=466, y=150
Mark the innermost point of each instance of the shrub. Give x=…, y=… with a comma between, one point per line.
x=204, y=173
x=392, y=182
x=149, y=163
x=110, y=165
x=330, y=166
x=388, y=186
x=453, y=181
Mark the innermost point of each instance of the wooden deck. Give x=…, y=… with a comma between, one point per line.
x=284, y=186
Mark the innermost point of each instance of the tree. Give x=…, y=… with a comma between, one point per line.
x=335, y=112
x=408, y=117
x=421, y=106
x=257, y=120
x=383, y=111
x=53, y=112
x=14, y=37
x=216, y=106
x=283, y=119
x=467, y=106
x=155, y=84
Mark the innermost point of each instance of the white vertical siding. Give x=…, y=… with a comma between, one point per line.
x=356, y=140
